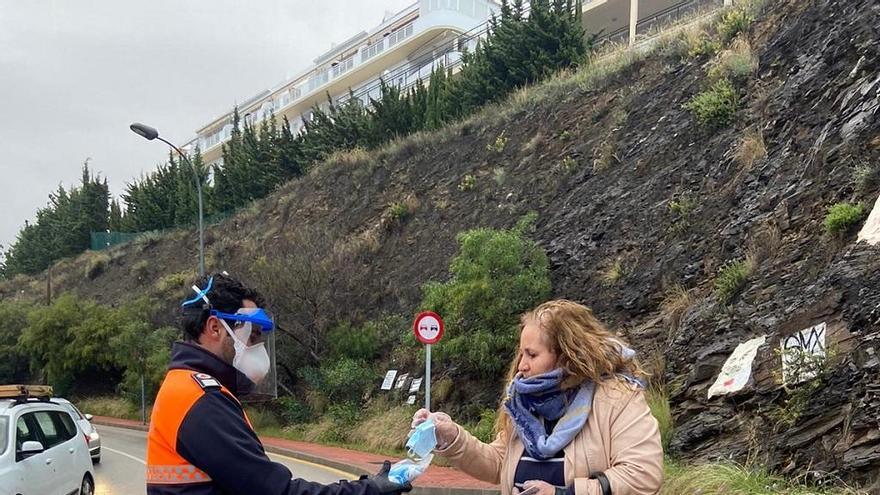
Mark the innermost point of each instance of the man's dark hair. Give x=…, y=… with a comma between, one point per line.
x=226, y=295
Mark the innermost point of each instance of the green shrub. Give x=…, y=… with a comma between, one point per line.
x=96, y=265
x=344, y=418
x=736, y=64
x=484, y=429
x=293, y=410
x=732, y=278
x=359, y=343
x=734, y=22
x=865, y=177
x=173, y=282
x=732, y=479
x=496, y=276
x=468, y=182
x=341, y=380
x=703, y=46
x=841, y=217
x=499, y=144
x=715, y=107
x=399, y=211
x=567, y=165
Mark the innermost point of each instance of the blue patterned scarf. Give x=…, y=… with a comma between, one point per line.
x=540, y=396
x=529, y=400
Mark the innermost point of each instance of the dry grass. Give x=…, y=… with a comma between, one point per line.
x=384, y=427
x=733, y=479
x=676, y=302
x=737, y=63
x=110, y=406
x=751, y=148
x=614, y=273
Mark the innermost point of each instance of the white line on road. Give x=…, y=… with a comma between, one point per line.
x=138, y=459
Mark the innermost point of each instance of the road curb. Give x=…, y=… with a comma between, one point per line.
x=342, y=466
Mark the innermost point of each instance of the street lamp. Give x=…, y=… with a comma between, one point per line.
x=150, y=134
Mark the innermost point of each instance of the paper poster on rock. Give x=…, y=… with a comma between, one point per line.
x=871, y=230
x=737, y=369
x=803, y=354
x=416, y=385
x=388, y=382
x=401, y=380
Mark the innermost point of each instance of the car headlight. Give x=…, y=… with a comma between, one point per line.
x=94, y=437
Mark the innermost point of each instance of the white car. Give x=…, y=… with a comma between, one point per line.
x=42, y=452
x=85, y=424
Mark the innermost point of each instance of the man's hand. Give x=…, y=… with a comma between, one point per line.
x=384, y=485
x=445, y=428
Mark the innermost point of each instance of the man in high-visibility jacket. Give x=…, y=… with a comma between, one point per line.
x=200, y=440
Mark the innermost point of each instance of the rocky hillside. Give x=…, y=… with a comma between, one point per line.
x=645, y=215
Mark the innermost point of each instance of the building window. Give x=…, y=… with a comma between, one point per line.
x=343, y=66
x=400, y=35
x=373, y=50
x=297, y=93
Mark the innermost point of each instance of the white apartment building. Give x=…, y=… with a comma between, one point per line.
x=405, y=48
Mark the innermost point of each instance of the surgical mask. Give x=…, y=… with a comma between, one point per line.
x=252, y=360
x=420, y=446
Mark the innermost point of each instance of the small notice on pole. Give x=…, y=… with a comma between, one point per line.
x=415, y=386
x=388, y=382
x=411, y=400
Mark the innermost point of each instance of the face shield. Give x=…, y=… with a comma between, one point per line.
x=251, y=330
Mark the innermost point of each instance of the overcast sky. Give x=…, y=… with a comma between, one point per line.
x=75, y=73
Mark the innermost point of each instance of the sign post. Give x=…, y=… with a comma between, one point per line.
x=428, y=327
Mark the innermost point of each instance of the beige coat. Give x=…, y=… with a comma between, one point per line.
x=621, y=439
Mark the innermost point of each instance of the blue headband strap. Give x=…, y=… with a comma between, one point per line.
x=200, y=294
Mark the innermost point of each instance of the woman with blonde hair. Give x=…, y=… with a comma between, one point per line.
x=573, y=421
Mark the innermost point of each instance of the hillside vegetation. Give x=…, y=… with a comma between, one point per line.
x=696, y=194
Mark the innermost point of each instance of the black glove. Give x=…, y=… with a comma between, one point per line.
x=384, y=485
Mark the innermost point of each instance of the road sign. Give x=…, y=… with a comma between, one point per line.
x=428, y=327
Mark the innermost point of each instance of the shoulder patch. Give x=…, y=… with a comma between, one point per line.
x=206, y=381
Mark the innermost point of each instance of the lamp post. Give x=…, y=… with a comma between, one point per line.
x=150, y=134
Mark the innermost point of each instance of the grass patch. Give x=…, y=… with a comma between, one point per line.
x=842, y=217
x=715, y=107
x=732, y=278
x=865, y=177
x=614, y=273
x=499, y=144
x=658, y=402
x=676, y=301
x=751, y=148
x=174, y=281
x=95, y=265
x=732, y=479
x=113, y=407
x=737, y=63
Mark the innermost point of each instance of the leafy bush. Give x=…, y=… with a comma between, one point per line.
x=293, y=410
x=732, y=278
x=734, y=22
x=715, y=107
x=359, y=343
x=699, y=46
x=484, y=429
x=496, y=276
x=843, y=216
x=173, y=281
x=14, y=364
x=340, y=380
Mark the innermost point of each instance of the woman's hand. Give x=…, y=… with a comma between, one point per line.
x=543, y=487
x=445, y=428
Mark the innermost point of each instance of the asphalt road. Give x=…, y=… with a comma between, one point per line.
x=122, y=467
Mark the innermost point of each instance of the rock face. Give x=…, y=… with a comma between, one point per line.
x=602, y=165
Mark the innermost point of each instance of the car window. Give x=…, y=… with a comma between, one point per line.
x=4, y=434
x=67, y=426
x=51, y=435
x=24, y=432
